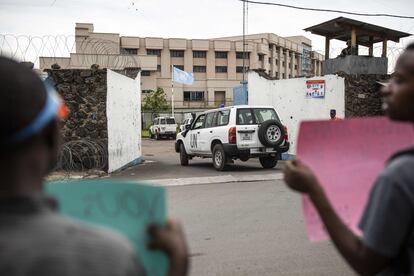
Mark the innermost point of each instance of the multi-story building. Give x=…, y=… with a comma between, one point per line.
x=217, y=63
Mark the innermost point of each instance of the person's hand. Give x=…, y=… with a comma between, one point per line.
x=170, y=239
x=300, y=177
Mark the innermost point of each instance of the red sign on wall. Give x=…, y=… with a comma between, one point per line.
x=315, y=89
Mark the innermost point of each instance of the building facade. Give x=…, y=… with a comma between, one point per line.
x=217, y=63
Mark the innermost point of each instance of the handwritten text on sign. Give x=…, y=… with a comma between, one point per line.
x=126, y=207
x=347, y=156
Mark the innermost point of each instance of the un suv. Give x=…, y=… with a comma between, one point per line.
x=236, y=132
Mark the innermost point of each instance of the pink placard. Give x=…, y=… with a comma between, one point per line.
x=347, y=156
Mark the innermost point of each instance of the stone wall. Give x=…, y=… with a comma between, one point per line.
x=84, y=91
x=362, y=95
x=85, y=132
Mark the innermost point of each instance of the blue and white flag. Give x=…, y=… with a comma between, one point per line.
x=182, y=76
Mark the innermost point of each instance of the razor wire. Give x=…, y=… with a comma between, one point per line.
x=82, y=155
x=69, y=52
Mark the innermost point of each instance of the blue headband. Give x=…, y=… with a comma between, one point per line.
x=45, y=116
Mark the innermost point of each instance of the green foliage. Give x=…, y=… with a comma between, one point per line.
x=155, y=101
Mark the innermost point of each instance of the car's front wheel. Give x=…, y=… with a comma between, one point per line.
x=183, y=155
x=268, y=162
x=219, y=158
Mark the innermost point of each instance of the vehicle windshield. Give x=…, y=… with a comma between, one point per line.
x=170, y=121
x=162, y=121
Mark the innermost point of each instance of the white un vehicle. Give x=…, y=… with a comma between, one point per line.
x=237, y=132
x=163, y=127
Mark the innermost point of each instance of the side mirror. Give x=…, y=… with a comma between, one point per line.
x=187, y=127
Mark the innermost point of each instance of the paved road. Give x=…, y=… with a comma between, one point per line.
x=242, y=228
x=252, y=228
x=163, y=162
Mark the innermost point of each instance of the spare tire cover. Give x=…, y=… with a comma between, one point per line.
x=271, y=133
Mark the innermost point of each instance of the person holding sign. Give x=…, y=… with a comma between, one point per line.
x=387, y=243
x=34, y=238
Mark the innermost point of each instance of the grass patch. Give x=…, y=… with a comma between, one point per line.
x=145, y=134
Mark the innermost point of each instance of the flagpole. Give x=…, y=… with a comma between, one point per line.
x=172, y=90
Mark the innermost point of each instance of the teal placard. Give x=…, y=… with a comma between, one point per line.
x=126, y=207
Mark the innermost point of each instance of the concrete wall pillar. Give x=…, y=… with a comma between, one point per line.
x=231, y=65
x=300, y=67
x=280, y=62
x=166, y=63
x=188, y=60
x=266, y=64
x=254, y=58
x=287, y=64
x=211, y=64
x=292, y=64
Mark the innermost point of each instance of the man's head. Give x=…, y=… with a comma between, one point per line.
x=399, y=94
x=332, y=113
x=29, y=138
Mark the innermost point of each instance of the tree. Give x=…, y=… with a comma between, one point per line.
x=155, y=101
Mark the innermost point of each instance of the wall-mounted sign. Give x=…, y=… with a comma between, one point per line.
x=315, y=89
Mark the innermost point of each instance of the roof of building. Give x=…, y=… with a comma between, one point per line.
x=340, y=28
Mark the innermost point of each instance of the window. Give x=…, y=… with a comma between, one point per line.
x=223, y=117
x=221, y=54
x=253, y=116
x=199, y=69
x=270, y=60
x=296, y=67
x=239, y=55
x=130, y=51
x=170, y=121
x=264, y=114
x=283, y=75
x=210, y=120
x=155, y=121
x=147, y=91
x=193, y=96
x=261, y=57
x=199, y=123
x=283, y=63
x=244, y=117
x=277, y=62
x=145, y=73
x=181, y=67
x=162, y=121
x=177, y=53
x=221, y=69
x=239, y=69
x=199, y=54
x=154, y=52
x=158, y=68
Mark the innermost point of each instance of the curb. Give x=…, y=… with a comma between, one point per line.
x=212, y=180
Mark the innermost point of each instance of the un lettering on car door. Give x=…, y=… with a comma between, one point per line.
x=193, y=140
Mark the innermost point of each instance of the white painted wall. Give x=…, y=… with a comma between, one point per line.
x=123, y=110
x=289, y=99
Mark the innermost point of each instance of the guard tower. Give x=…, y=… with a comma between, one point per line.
x=355, y=33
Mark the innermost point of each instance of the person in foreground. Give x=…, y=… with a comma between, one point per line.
x=387, y=244
x=34, y=238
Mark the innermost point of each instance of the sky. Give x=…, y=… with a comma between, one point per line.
x=191, y=18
